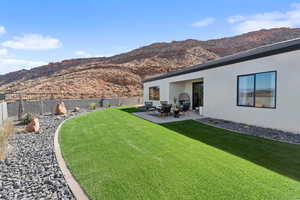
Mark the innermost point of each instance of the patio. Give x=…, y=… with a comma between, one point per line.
x=155, y=117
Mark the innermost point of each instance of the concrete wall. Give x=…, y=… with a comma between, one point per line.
x=3, y=112
x=47, y=106
x=220, y=91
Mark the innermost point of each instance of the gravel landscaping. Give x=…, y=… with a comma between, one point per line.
x=31, y=170
x=253, y=130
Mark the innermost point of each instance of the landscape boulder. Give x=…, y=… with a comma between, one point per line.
x=33, y=126
x=76, y=109
x=60, y=109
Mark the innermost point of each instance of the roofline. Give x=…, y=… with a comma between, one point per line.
x=263, y=51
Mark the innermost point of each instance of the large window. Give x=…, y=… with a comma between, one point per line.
x=154, y=93
x=257, y=90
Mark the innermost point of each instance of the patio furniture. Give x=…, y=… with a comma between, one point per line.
x=185, y=107
x=184, y=102
x=163, y=102
x=176, y=113
x=184, y=97
x=149, y=106
x=165, y=109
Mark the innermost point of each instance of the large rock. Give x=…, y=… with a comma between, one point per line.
x=76, y=109
x=33, y=126
x=60, y=109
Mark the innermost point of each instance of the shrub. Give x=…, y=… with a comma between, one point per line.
x=93, y=106
x=27, y=118
x=120, y=103
x=5, y=132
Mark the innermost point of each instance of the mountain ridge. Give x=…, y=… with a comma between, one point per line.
x=122, y=74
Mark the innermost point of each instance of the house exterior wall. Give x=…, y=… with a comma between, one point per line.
x=182, y=87
x=220, y=91
x=175, y=90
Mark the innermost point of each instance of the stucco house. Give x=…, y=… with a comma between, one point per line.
x=258, y=87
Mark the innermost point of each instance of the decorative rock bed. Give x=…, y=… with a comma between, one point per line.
x=253, y=130
x=31, y=170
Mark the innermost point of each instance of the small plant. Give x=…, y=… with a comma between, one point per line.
x=5, y=132
x=120, y=103
x=175, y=100
x=27, y=118
x=93, y=106
x=109, y=105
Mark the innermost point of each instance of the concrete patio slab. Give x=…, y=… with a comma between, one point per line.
x=156, y=118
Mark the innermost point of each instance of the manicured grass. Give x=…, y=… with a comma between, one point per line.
x=116, y=155
x=131, y=109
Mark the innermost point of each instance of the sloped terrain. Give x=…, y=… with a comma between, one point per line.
x=122, y=75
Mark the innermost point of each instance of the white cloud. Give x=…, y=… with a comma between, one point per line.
x=33, y=42
x=3, y=52
x=84, y=54
x=243, y=24
x=10, y=64
x=236, y=18
x=204, y=22
x=2, y=30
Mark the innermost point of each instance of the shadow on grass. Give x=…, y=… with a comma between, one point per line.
x=279, y=157
x=130, y=109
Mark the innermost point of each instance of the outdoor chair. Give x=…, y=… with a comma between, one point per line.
x=165, y=109
x=163, y=102
x=149, y=106
x=185, y=106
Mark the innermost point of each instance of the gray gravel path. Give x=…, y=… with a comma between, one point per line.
x=254, y=130
x=31, y=170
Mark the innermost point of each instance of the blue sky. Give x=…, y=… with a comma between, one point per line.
x=35, y=32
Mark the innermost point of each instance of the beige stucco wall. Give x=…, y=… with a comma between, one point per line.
x=220, y=91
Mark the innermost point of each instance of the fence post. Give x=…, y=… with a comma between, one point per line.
x=21, y=107
x=42, y=106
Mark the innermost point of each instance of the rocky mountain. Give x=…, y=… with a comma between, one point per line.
x=122, y=75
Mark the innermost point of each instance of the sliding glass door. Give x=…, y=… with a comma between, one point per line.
x=197, y=94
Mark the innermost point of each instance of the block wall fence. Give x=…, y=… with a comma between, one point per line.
x=47, y=106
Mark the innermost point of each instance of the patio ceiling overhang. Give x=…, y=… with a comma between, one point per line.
x=187, y=80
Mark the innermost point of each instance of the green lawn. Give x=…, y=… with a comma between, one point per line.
x=116, y=155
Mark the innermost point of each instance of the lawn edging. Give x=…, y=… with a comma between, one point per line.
x=74, y=185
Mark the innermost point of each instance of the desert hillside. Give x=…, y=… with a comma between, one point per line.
x=122, y=75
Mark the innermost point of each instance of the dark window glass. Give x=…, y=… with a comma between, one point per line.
x=246, y=91
x=257, y=90
x=265, y=90
x=154, y=93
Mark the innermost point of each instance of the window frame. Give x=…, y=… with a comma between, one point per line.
x=151, y=99
x=254, y=94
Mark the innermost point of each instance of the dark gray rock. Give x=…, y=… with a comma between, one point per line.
x=31, y=170
x=273, y=134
